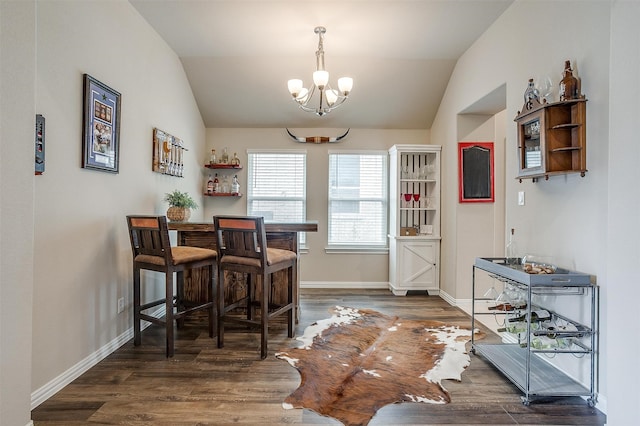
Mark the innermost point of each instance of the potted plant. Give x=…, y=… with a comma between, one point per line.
x=180, y=205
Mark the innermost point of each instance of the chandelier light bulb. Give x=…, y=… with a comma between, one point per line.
x=345, y=84
x=320, y=78
x=303, y=96
x=330, y=98
x=295, y=86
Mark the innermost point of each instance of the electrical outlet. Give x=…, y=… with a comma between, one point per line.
x=521, y=198
x=121, y=305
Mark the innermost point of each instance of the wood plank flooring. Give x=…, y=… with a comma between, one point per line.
x=204, y=385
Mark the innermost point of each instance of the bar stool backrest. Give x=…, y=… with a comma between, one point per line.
x=241, y=236
x=150, y=237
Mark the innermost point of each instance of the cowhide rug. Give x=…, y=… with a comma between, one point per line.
x=358, y=361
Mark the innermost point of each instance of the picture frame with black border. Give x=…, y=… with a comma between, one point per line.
x=101, y=126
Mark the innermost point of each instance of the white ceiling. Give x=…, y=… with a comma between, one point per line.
x=239, y=54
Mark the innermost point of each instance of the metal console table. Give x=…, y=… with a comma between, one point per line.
x=518, y=357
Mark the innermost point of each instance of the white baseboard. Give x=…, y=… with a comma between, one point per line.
x=344, y=284
x=48, y=390
x=447, y=298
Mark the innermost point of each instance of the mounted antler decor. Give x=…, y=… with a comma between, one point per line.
x=317, y=139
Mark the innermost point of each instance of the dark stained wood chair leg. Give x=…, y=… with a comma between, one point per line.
x=250, y=283
x=137, y=337
x=169, y=313
x=264, y=315
x=179, y=301
x=292, y=300
x=221, y=307
x=212, y=299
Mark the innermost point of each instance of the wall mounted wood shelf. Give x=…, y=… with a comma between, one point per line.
x=552, y=139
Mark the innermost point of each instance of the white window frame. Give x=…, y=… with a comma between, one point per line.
x=354, y=246
x=250, y=176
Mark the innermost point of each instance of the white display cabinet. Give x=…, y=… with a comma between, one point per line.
x=414, y=218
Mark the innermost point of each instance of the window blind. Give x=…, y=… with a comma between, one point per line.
x=358, y=199
x=276, y=186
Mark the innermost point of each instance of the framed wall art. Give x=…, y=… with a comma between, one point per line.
x=475, y=172
x=101, y=126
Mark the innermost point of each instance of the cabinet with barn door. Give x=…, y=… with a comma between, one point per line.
x=414, y=218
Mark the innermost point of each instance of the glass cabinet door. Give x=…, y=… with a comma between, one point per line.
x=532, y=155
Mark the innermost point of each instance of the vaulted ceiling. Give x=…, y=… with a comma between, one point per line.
x=239, y=54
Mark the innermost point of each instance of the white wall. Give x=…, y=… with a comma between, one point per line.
x=623, y=232
x=564, y=217
x=317, y=268
x=82, y=251
x=17, y=119
x=483, y=222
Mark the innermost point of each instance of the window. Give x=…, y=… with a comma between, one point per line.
x=276, y=185
x=358, y=199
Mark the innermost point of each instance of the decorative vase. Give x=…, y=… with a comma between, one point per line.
x=178, y=214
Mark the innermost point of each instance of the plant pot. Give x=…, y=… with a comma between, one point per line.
x=178, y=214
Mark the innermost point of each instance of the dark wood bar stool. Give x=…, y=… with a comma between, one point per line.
x=242, y=247
x=152, y=251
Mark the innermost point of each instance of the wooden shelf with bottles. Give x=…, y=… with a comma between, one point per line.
x=552, y=139
x=222, y=194
x=221, y=166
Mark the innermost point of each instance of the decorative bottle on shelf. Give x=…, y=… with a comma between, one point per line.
x=216, y=184
x=569, y=84
x=235, y=161
x=225, y=156
x=511, y=251
x=210, y=185
x=213, y=159
x=225, y=185
x=235, y=186
x=531, y=94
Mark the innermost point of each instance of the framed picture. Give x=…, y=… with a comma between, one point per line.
x=475, y=172
x=101, y=126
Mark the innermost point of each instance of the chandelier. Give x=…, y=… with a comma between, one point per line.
x=329, y=99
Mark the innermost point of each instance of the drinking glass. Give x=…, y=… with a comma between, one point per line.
x=416, y=199
x=407, y=199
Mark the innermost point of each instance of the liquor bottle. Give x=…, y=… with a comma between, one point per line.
x=511, y=250
x=536, y=316
x=216, y=184
x=213, y=159
x=226, y=188
x=235, y=186
x=508, y=306
x=569, y=84
x=225, y=156
x=210, y=185
x=235, y=161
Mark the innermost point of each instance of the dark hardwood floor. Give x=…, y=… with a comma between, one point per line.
x=203, y=385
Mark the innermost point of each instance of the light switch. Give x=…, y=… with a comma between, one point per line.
x=521, y=198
